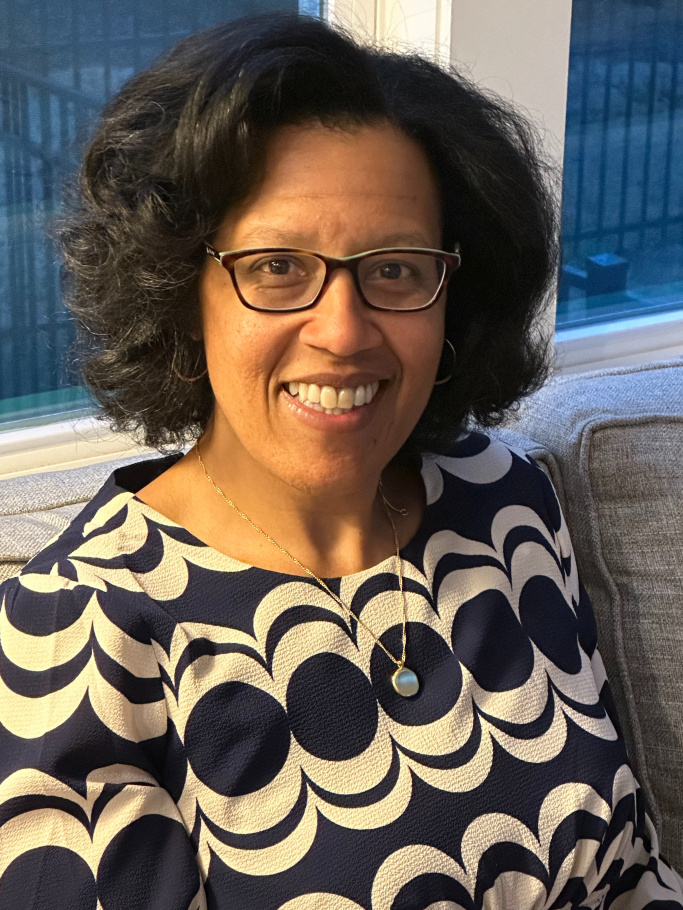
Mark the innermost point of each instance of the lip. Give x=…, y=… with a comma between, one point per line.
x=354, y=419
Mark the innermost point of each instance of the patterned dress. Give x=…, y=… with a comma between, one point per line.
x=180, y=730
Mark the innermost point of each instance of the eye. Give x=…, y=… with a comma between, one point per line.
x=390, y=270
x=277, y=266
x=394, y=270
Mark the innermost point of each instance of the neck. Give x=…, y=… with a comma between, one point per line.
x=333, y=529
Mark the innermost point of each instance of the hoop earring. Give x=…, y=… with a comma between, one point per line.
x=450, y=375
x=186, y=378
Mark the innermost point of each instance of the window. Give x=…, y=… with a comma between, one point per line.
x=58, y=63
x=623, y=180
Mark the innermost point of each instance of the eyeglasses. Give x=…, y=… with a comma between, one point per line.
x=276, y=279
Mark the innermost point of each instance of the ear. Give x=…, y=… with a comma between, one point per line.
x=194, y=326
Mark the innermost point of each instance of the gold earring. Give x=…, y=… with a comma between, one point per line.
x=180, y=375
x=450, y=375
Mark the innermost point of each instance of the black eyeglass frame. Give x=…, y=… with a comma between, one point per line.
x=228, y=258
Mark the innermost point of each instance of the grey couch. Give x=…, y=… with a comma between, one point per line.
x=612, y=443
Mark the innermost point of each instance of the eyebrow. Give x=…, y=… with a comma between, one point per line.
x=266, y=235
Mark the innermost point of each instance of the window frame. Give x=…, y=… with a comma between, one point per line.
x=61, y=445
x=521, y=51
x=642, y=339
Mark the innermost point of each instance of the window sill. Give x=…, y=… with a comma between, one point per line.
x=643, y=339
x=59, y=446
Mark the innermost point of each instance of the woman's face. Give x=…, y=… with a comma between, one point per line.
x=336, y=192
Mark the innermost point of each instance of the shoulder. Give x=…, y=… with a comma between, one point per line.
x=103, y=529
x=81, y=594
x=53, y=587
x=98, y=521
x=481, y=476
x=60, y=580
x=477, y=458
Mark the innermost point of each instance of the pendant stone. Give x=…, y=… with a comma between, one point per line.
x=405, y=682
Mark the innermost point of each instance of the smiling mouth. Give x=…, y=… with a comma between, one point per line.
x=331, y=400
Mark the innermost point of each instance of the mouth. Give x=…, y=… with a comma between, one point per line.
x=329, y=399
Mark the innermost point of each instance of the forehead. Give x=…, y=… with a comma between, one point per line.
x=332, y=181
x=343, y=160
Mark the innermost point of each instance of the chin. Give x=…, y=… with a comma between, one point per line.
x=330, y=476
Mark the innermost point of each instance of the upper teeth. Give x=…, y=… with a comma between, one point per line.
x=333, y=401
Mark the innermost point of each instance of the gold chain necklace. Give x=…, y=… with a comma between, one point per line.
x=404, y=680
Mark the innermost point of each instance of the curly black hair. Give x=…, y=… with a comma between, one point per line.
x=184, y=141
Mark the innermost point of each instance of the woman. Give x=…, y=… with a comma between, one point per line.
x=337, y=654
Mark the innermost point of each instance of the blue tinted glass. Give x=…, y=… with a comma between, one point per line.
x=622, y=220
x=58, y=63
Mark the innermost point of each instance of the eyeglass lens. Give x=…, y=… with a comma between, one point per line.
x=393, y=281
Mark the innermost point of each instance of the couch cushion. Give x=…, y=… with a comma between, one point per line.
x=36, y=508
x=21, y=534
x=616, y=438
x=8, y=569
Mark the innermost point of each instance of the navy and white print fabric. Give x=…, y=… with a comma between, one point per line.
x=179, y=730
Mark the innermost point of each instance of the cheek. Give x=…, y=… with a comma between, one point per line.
x=419, y=348
x=242, y=354
x=226, y=333
x=236, y=364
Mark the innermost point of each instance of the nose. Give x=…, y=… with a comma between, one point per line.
x=340, y=322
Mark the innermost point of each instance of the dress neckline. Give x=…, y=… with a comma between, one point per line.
x=409, y=552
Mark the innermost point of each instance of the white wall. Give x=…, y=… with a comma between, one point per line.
x=404, y=24
x=519, y=49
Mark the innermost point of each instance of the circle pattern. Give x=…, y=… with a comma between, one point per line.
x=550, y=623
x=482, y=757
x=148, y=864
x=332, y=708
x=48, y=878
x=488, y=639
x=224, y=738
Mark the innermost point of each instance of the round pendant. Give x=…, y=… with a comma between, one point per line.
x=405, y=682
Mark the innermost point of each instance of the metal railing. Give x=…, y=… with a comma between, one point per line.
x=58, y=65
x=623, y=180
x=39, y=123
